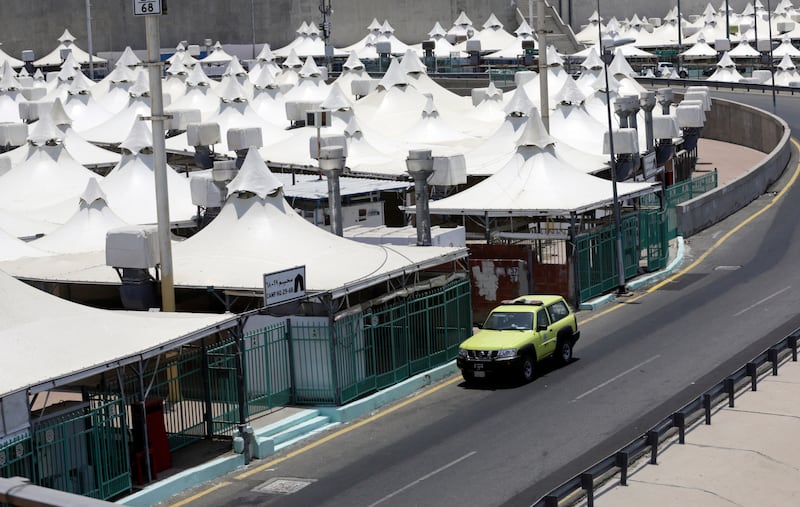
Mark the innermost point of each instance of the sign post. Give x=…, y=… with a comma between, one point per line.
x=152, y=10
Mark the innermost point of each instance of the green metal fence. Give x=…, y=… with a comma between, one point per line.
x=83, y=450
x=678, y=193
x=363, y=352
x=597, y=254
x=653, y=238
x=16, y=457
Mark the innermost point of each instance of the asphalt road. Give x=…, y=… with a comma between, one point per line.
x=638, y=360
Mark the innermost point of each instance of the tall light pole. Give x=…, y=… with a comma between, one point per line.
x=680, y=37
x=606, y=57
x=151, y=10
x=771, y=67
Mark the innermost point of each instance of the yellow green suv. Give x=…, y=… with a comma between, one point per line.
x=517, y=335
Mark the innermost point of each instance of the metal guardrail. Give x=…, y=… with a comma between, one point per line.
x=715, y=85
x=584, y=484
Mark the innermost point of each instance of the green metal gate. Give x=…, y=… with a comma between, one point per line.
x=653, y=238
x=265, y=368
x=597, y=254
x=83, y=451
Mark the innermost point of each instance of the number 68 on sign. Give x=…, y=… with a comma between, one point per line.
x=147, y=7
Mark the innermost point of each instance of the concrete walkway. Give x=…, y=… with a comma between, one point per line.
x=748, y=456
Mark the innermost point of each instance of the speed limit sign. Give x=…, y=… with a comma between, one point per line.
x=147, y=7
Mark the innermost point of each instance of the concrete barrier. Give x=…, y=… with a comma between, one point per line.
x=736, y=123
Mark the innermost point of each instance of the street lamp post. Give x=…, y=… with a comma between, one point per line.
x=420, y=166
x=606, y=57
x=331, y=163
x=771, y=66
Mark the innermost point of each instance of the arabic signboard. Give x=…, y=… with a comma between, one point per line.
x=283, y=286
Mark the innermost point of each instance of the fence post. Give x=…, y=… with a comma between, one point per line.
x=752, y=372
x=707, y=407
x=622, y=463
x=208, y=415
x=730, y=388
x=652, y=441
x=587, y=483
x=290, y=347
x=679, y=420
x=337, y=385
x=242, y=392
x=773, y=358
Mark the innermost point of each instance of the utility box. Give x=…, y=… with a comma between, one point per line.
x=202, y=134
x=133, y=247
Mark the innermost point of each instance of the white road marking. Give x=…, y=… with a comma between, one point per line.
x=600, y=386
x=424, y=477
x=761, y=301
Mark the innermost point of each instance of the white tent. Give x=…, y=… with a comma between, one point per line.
x=493, y=37
x=535, y=182
x=726, y=71
x=786, y=48
x=86, y=230
x=70, y=341
x=217, y=56
x=12, y=247
x=744, y=50
x=66, y=42
x=48, y=176
x=14, y=62
x=374, y=30
x=514, y=48
x=130, y=186
x=699, y=51
x=258, y=232
x=20, y=224
x=787, y=74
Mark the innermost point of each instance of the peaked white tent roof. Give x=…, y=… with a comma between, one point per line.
x=493, y=37
x=535, y=182
x=258, y=232
x=699, y=50
x=71, y=340
x=14, y=62
x=66, y=41
x=12, y=248
x=218, y=56
x=86, y=230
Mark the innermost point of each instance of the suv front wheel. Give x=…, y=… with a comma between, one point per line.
x=527, y=369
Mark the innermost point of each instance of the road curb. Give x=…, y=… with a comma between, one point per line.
x=641, y=281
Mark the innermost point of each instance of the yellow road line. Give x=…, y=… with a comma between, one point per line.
x=778, y=196
x=348, y=429
x=192, y=498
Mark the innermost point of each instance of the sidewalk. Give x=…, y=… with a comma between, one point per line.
x=288, y=425
x=747, y=456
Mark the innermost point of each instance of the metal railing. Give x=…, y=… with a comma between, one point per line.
x=584, y=484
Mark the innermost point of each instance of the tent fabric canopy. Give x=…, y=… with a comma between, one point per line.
x=65, y=340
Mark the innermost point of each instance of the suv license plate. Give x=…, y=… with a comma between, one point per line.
x=479, y=373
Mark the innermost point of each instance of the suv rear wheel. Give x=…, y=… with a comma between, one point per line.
x=564, y=351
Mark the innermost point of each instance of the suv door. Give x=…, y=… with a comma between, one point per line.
x=547, y=334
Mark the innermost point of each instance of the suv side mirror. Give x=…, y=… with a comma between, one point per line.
x=540, y=326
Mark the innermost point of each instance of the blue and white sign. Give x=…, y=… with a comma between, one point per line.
x=283, y=286
x=146, y=7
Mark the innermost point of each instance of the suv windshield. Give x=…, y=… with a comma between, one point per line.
x=504, y=321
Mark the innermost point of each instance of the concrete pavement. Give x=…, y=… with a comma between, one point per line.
x=749, y=455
